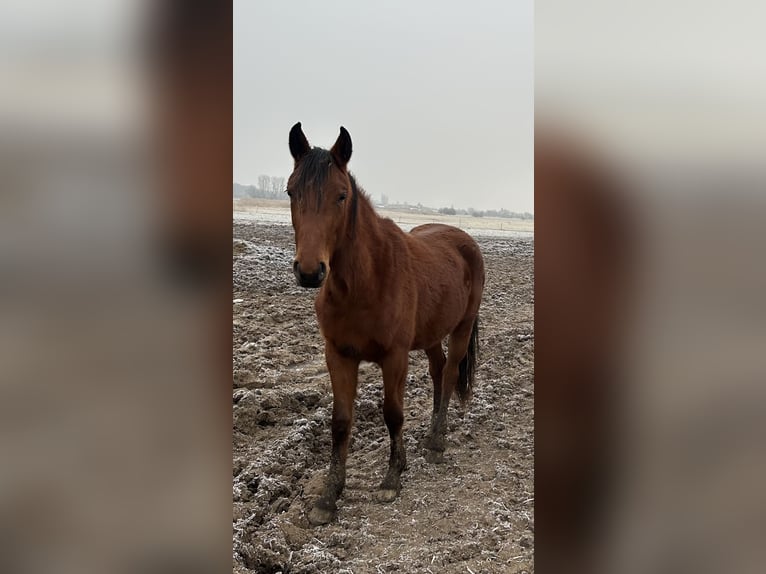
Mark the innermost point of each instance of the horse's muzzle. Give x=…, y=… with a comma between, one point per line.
x=314, y=279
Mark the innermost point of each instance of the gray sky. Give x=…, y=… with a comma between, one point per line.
x=437, y=96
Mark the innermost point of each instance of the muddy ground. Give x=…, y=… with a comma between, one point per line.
x=474, y=513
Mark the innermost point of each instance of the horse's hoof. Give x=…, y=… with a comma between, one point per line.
x=435, y=442
x=386, y=495
x=434, y=456
x=319, y=516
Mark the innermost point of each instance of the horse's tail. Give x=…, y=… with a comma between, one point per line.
x=467, y=368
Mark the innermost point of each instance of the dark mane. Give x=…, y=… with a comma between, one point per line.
x=311, y=171
x=356, y=191
x=311, y=174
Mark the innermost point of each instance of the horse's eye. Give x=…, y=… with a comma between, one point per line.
x=290, y=193
x=342, y=197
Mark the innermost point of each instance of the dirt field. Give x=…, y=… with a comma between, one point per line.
x=472, y=514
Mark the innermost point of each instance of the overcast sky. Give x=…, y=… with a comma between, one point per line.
x=437, y=96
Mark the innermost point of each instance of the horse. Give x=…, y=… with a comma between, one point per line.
x=382, y=293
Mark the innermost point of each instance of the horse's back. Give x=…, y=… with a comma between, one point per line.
x=438, y=230
x=440, y=239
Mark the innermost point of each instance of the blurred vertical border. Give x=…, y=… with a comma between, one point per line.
x=650, y=403
x=115, y=246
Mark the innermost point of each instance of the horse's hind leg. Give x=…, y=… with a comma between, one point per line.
x=458, y=347
x=394, y=368
x=436, y=361
x=343, y=375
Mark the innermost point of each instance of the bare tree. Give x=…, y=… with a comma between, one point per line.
x=277, y=185
x=264, y=182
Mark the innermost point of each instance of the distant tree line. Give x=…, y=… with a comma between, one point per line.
x=486, y=213
x=268, y=187
x=471, y=212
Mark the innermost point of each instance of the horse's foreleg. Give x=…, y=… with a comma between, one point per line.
x=343, y=374
x=394, y=376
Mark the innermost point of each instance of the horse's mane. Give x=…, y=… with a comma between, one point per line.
x=312, y=173
x=356, y=192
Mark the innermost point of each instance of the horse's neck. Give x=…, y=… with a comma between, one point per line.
x=354, y=273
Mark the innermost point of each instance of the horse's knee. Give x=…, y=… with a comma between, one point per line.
x=436, y=359
x=341, y=426
x=451, y=372
x=393, y=414
x=437, y=363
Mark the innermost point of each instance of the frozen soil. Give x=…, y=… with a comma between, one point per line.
x=474, y=513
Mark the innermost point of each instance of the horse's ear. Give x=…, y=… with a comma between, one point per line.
x=299, y=145
x=341, y=151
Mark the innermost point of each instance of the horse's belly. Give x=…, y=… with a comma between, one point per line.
x=438, y=319
x=432, y=334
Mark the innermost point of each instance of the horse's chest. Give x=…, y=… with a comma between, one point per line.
x=357, y=334
x=356, y=327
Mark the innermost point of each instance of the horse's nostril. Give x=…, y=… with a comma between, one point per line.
x=313, y=278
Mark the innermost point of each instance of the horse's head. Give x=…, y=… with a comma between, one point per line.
x=322, y=203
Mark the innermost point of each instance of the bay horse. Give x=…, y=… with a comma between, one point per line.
x=382, y=292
